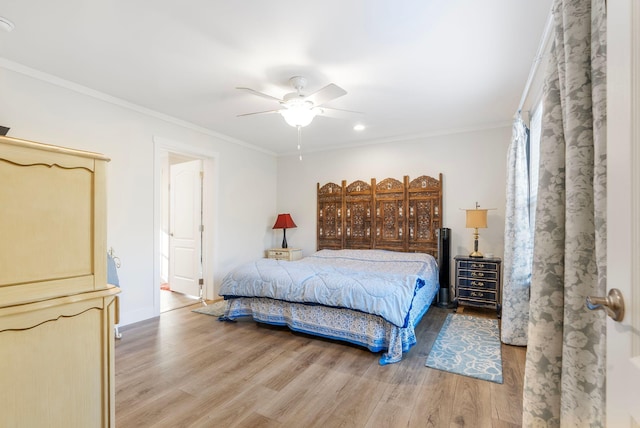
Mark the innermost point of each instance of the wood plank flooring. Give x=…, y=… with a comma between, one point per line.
x=170, y=300
x=185, y=369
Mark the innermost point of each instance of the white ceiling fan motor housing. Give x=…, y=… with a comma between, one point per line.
x=298, y=83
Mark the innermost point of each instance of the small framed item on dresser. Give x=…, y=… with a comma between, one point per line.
x=289, y=254
x=478, y=282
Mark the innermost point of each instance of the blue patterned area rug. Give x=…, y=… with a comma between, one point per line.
x=469, y=346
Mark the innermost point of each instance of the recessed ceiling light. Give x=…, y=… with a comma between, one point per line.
x=6, y=25
x=358, y=127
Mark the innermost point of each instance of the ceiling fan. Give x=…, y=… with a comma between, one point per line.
x=299, y=109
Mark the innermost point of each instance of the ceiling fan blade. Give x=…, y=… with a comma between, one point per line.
x=338, y=113
x=259, y=112
x=326, y=94
x=260, y=94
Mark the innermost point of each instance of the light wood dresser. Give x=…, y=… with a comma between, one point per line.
x=57, y=311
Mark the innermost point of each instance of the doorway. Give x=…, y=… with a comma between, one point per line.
x=183, y=221
x=181, y=270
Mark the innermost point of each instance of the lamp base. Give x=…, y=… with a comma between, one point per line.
x=475, y=252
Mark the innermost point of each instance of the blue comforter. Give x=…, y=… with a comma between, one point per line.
x=373, y=281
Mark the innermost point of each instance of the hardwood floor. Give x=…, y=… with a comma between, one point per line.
x=185, y=369
x=170, y=300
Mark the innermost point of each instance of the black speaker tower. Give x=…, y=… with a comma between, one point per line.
x=444, y=262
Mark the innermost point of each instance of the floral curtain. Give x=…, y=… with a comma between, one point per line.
x=517, y=241
x=565, y=365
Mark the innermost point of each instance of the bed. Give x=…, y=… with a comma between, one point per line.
x=372, y=279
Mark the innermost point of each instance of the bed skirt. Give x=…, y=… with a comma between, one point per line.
x=369, y=331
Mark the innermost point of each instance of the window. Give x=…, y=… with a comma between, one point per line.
x=535, y=127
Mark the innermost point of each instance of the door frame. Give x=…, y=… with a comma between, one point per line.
x=623, y=207
x=161, y=147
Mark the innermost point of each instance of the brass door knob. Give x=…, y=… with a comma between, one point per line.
x=613, y=304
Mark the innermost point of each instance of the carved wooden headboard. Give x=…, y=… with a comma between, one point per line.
x=390, y=214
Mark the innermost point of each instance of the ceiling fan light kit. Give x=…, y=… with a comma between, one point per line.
x=298, y=113
x=297, y=109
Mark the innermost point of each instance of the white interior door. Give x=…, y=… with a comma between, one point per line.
x=623, y=210
x=185, y=220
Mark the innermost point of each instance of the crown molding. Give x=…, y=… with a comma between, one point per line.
x=66, y=84
x=407, y=138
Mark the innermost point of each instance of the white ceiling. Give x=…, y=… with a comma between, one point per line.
x=413, y=67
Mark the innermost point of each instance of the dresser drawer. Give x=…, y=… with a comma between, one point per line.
x=474, y=265
x=278, y=255
x=477, y=294
x=478, y=283
x=289, y=254
x=478, y=274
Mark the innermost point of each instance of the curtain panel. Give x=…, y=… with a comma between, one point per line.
x=565, y=363
x=517, y=241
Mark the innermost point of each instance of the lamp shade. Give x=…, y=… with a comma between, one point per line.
x=477, y=218
x=284, y=221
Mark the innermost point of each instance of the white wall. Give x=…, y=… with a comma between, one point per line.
x=473, y=165
x=38, y=110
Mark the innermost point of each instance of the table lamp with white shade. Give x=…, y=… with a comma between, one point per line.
x=476, y=219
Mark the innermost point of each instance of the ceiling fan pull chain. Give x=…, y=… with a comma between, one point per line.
x=299, y=142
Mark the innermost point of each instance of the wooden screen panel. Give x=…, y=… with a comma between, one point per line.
x=424, y=196
x=358, y=218
x=330, y=218
x=390, y=211
x=390, y=215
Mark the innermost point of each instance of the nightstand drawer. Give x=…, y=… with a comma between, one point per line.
x=278, y=255
x=477, y=294
x=480, y=274
x=474, y=265
x=477, y=283
x=289, y=254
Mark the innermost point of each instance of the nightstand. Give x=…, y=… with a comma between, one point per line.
x=478, y=282
x=289, y=254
